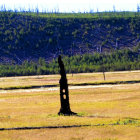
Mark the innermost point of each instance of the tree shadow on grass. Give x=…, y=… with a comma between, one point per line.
x=123, y=121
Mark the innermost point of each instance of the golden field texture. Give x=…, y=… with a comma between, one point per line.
x=107, y=112
x=81, y=78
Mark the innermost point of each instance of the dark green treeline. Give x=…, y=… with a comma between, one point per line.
x=116, y=61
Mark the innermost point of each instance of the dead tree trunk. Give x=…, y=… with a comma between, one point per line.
x=104, y=75
x=64, y=93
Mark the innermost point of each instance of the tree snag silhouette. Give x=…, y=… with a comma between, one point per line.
x=64, y=92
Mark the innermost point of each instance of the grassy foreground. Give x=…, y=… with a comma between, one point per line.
x=105, y=112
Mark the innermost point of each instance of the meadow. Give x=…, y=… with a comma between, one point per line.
x=105, y=111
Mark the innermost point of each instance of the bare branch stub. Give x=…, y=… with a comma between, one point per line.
x=64, y=92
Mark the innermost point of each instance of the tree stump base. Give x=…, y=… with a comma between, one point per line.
x=67, y=113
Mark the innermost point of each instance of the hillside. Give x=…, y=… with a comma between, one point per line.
x=29, y=36
x=116, y=61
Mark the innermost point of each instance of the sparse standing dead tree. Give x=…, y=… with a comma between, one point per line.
x=103, y=70
x=64, y=93
x=104, y=75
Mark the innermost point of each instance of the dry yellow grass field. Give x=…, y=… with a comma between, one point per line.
x=107, y=112
x=72, y=79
